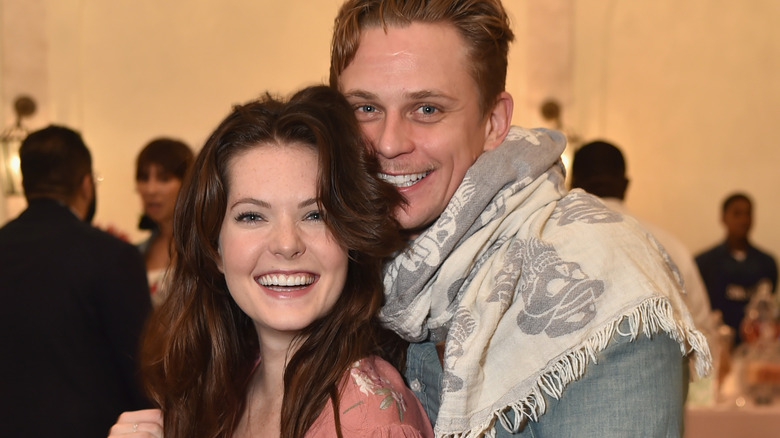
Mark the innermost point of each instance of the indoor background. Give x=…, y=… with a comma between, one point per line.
x=690, y=89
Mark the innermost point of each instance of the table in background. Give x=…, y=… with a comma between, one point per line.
x=727, y=421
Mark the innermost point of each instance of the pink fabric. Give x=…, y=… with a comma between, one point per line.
x=374, y=402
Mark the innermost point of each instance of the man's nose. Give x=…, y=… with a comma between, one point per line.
x=393, y=138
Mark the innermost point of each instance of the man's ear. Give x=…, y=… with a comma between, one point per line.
x=499, y=120
x=86, y=188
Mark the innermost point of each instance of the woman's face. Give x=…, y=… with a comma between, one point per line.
x=282, y=265
x=158, y=190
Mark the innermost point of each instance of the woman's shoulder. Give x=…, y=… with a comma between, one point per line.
x=374, y=401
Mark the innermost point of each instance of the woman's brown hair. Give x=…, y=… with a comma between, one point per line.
x=200, y=348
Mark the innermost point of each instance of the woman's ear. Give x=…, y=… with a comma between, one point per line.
x=219, y=260
x=499, y=120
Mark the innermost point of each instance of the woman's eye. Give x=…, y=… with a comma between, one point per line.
x=248, y=217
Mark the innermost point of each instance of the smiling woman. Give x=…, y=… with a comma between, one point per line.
x=282, y=264
x=270, y=327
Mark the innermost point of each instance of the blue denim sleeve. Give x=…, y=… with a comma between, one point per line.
x=423, y=374
x=635, y=389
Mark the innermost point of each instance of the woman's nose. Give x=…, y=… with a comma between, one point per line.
x=287, y=241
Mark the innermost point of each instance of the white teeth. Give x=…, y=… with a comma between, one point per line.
x=283, y=280
x=405, y=180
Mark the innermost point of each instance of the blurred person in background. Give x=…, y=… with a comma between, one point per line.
x=74, y=301
x=599, y=168
x=160, y=170
x=733, y=269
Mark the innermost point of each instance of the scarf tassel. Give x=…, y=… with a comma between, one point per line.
x=651, y=317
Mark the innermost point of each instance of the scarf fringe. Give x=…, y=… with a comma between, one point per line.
x=651, y=317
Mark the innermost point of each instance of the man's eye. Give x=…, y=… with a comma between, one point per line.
x=314, y=216
x=427, y=110
x=366, y=108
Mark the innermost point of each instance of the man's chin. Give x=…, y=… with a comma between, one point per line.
x=413, y=226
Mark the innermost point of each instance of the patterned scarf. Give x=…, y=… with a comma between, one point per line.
x=519, y=271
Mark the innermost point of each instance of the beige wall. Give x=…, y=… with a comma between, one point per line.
x=689, y=89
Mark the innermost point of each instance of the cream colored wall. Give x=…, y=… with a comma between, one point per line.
x=688, y=89
x=691, y=91
x=123, y=72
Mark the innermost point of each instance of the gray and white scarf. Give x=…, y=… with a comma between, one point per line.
x=518, y=271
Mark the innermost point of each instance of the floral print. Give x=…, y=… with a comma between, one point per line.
x=370, y=382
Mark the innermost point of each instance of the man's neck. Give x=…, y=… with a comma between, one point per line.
x=737, y=244
x=78, y=212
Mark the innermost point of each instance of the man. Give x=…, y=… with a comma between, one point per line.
x=74, y=301
x=541, y=303
x=734, y=269
x=599, y=168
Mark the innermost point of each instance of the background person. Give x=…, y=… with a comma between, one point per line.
x=74, y=301
x=160, y=170
x=599, y=168
x=732, y=269
x=542, y=305
x=271, y=325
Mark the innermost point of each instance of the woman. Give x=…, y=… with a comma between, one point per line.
x=270, y=328
x=160, y=170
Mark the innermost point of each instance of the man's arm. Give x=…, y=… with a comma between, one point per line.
x=637, y=388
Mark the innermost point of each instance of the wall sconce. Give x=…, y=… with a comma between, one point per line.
x=10, y=141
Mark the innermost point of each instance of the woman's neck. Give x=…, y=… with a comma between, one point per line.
x=158, y=255
x=274, y=355
x=165, y=230
x=265, y=393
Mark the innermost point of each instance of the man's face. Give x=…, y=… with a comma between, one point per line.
x=419, y=107
x=738, y=218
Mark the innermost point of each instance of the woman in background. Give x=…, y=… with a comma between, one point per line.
x=160, y=169
x=271, y=324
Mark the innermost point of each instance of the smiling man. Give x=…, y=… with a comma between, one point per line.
x=429, y=130
x=531, y=311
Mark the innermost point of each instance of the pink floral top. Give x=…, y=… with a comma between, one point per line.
x=375, y=402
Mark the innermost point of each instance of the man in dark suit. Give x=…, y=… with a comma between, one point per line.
x=74, y=300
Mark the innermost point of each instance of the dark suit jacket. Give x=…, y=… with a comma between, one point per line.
x=74, y=300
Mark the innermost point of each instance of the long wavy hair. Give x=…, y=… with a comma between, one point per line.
x=200, y=347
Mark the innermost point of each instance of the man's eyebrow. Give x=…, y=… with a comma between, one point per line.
x=360, y=94
x=414, y=95
x=427, y=94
